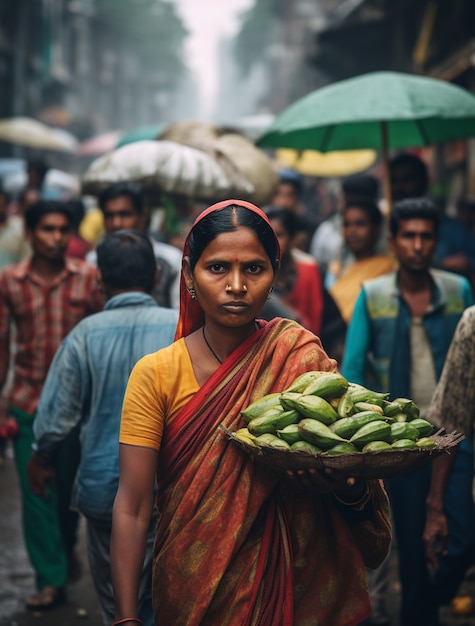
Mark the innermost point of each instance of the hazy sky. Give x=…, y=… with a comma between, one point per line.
x=208, y=21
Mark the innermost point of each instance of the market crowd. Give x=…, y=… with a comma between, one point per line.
x=124, y=347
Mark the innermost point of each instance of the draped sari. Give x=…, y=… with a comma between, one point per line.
x=235, y=544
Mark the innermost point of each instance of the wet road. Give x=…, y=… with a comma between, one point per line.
x=16, y=574
x=81, y=608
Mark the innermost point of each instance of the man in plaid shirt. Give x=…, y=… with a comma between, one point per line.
x=43, y=297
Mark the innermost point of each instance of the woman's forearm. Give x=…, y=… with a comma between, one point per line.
x=128, y=544
x=131, y=517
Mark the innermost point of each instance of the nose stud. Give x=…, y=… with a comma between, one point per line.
x=228, y=288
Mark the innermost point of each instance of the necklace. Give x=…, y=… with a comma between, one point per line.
x=210, y=348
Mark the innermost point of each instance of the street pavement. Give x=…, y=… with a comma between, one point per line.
x=16, y=574
x=82, y=608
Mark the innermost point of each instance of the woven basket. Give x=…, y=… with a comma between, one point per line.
x=368, y=465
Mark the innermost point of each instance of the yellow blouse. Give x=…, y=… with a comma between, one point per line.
x=160, y=385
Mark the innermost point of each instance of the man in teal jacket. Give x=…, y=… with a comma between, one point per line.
x=397, y=342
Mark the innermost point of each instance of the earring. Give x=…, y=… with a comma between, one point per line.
x=244, y=288
x=228, y=288
x=192, y=293
x=270, y=293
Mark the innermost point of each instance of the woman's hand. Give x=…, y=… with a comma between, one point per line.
x=327, y=480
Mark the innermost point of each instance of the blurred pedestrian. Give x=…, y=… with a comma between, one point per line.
x=362, y=222
x=397, y=340
x=78, y=247
x=36, y=170
x=298, y=282
x=13, y=244
x=44, y=297
x=289, y=196
x=37, y=178
x=289, y=191
x=27, y=197
x=327, y=242
x=123, y=208
x=298, y=287
x=465, y=213
x=453, y=408
x=85, y=387
x=247, y=546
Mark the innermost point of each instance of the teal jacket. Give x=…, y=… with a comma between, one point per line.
x=377, y=349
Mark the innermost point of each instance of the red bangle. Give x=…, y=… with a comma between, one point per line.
x=127, y=619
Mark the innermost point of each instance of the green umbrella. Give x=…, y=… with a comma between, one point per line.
x=140, y=133
x=379, y=110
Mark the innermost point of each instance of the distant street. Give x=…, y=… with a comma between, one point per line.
x=16, y=575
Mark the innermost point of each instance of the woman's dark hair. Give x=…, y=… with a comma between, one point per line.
x=291, y=222
x=34, y=212
x=126, y=261
x=122, y=189
x=225, y=221
x=370, y=208
x=413, y=209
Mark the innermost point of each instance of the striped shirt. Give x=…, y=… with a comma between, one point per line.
x=43, y=313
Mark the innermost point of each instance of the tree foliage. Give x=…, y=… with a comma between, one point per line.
x=256, y=35
x=152, y=30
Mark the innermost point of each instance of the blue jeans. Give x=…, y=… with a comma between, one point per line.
x=421, y=592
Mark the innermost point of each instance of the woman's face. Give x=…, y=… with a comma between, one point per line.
x=236, y=260
x=359, y=232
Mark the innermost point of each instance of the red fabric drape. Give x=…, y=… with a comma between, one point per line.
x=307, y=296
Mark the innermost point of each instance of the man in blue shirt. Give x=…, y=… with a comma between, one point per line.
x=85, y=387
x=397, y=341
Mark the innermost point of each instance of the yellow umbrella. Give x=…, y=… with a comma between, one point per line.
x=326, y=164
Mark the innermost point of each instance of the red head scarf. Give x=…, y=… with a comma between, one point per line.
x=191, y=314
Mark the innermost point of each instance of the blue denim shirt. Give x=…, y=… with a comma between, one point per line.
x=377, y=348
x=85, y=385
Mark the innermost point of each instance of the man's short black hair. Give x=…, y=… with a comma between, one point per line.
x=416, y=165
x=411, y=209
x=370, y=208
x=117, y=190
x=360, y=186
x=34, y=212
x=127, y=261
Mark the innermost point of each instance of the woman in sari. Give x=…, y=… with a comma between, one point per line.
x=236, y=544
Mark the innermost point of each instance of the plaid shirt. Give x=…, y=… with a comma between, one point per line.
x=43, y=314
